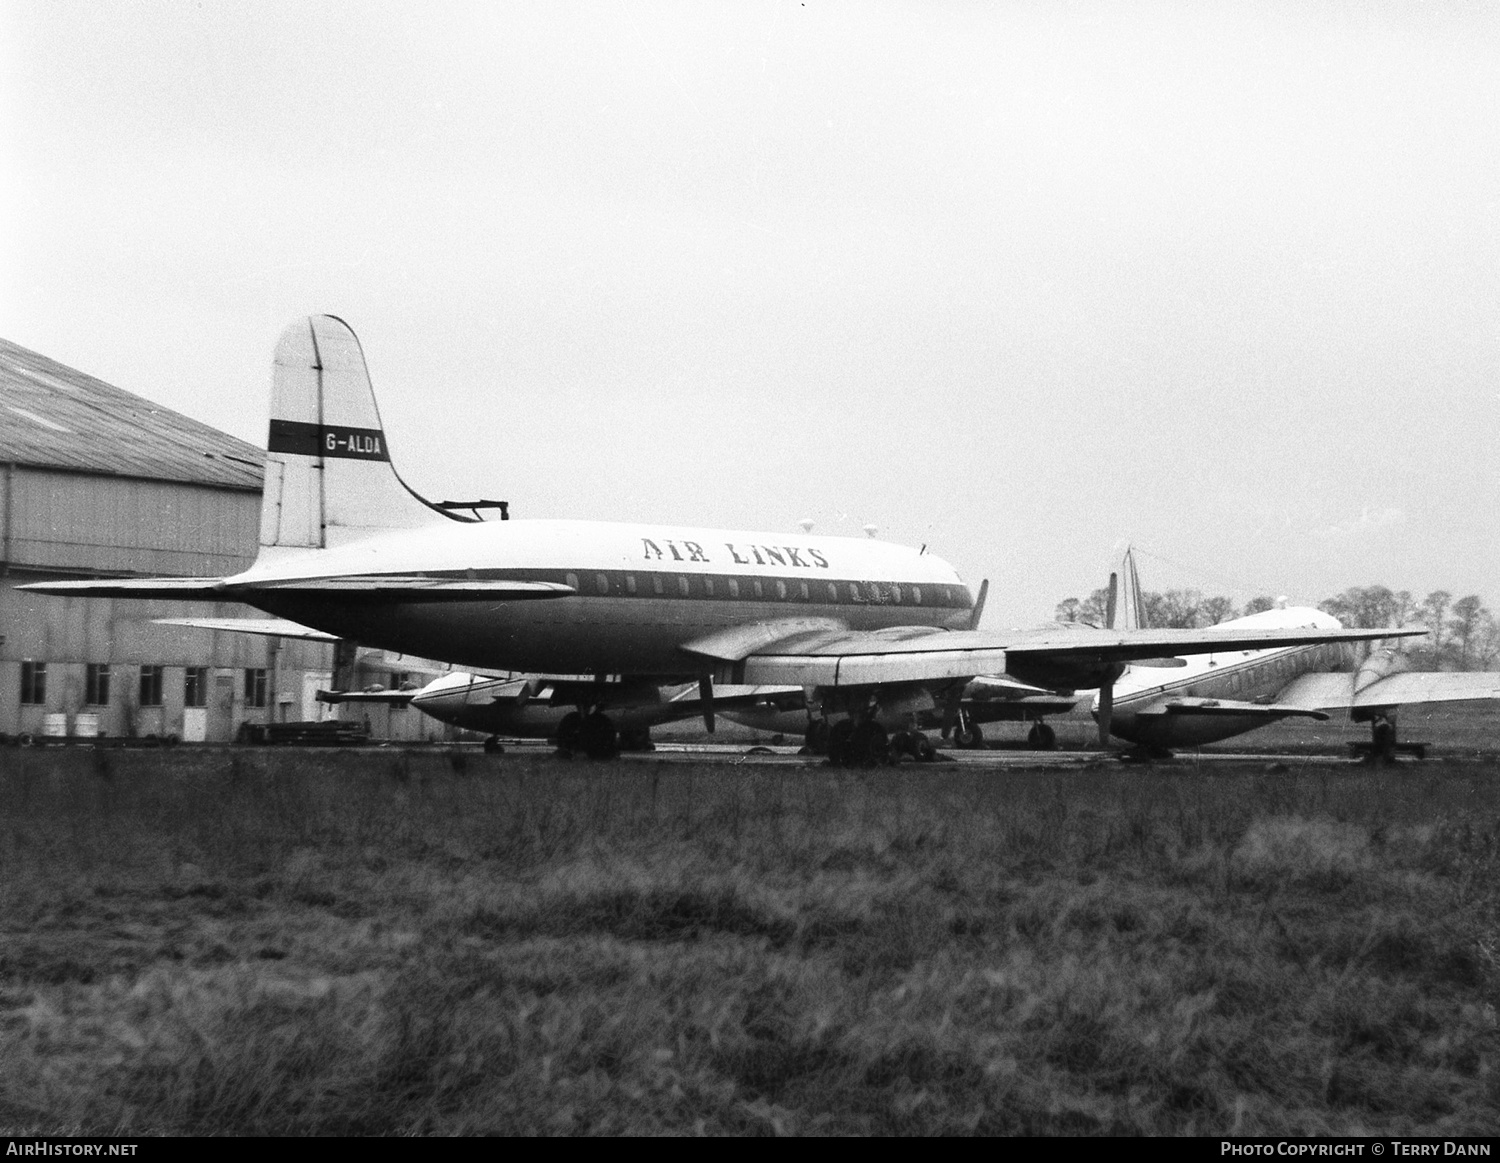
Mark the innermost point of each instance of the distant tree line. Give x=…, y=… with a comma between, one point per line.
x=1462, y=634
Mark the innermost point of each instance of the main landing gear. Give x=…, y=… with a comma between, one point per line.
x=865, y=743
x=596, y=736
x=1384, y=746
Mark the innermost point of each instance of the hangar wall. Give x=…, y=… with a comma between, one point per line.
x=95, y=480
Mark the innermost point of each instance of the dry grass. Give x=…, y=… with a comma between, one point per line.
x=284, y=943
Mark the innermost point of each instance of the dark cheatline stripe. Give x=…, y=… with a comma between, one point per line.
x=299, y=439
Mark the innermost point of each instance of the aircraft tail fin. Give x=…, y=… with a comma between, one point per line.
x=329, y=476
x=1127, y=608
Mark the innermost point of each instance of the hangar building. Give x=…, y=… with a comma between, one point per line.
x=97, y=481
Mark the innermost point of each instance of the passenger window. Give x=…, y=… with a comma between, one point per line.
x=916, y=595
x=734, y=587
x=854, y=594
x=572, y=580
x=896, y=594
x=756, y=586
x=833, y=592
x=656, y=583
x=630, y=583
x=802, y=589
x=601, y=581
x=708, y=586
x=781, y=589
x=682, y=585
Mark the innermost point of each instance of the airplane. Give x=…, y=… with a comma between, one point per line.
x=540, y=707
x=1225, y=693
x=876, y=633
x=985, y=699
x=521, y=706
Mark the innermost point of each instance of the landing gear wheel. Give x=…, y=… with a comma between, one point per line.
x=968, y=736
x=838, y=743
x=570, y=733
x=1383, y=740
x=922, y=748
x=869, y=745
x=636, y=739
x=903, y=743
x=1041, y=738
x=493, y=746
x=600, y=740
x=817, y=738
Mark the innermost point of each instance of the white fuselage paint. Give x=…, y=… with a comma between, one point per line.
x=643, y=591
x=1240, y=675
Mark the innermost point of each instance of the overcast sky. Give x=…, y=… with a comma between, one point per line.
x=1014, y=280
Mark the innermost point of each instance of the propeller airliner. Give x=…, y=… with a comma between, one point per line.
x=876, y=633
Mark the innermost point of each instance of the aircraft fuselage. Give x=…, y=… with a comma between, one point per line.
x=640, y=591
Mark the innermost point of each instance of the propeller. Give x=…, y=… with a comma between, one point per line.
x=706, y=693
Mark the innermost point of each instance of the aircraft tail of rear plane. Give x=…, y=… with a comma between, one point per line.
x=329, y=476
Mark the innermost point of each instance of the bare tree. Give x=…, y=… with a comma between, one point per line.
x=1067, y=610
x=1260, y=605
x=1217, y=609
x=1468, y=616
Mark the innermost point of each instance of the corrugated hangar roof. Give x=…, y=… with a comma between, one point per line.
x=55, y=417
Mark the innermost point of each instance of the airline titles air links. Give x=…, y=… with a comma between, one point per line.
x=783, y=555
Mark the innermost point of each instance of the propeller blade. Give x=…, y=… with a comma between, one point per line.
x=706, y=693
x=1106, y=711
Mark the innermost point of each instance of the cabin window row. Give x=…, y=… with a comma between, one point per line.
x=616, y=583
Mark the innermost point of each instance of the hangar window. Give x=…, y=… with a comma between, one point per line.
x=195, y=686
x=255, y=686
x=151, y=686
x=601, y=583
x=96, y=684
x=33, y=684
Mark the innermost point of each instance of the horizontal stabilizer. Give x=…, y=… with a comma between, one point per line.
x=385, y=698
x=265, y=627
x=208, y=589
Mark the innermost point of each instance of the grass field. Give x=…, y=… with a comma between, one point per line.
x=382, y=942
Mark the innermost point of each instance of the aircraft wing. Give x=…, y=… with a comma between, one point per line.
x=1269, y=712
x=266, y=627
x=1407, y=686
x=1056, y=659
